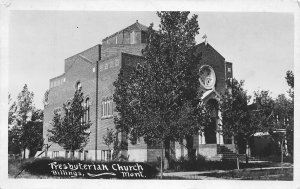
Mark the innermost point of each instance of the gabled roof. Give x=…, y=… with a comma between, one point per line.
x=202, y=45
x=136, y=27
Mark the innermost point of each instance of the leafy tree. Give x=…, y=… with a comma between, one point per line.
x=69, y=130
x=32, y=136
x=11, y=111
x=290, y=78
x=242, y=120
x=109, y=138
x=284, y=112
x=25, y=124
x=234, y=110
x=290, y=121
x=46, y=98
x=153, y=96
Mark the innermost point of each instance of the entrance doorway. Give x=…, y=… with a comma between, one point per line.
x=210, y=129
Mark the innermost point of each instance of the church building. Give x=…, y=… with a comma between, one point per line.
x=95, y=69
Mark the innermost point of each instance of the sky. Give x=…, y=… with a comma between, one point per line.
x=260, y=45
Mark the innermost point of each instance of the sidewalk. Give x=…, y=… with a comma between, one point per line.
x=198, y=175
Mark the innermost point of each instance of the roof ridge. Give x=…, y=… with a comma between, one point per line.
x=140, y=26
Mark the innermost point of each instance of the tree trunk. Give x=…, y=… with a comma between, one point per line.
x=189, y=145
x=167, y=151
x=237, y=155
x=161, y=159
x=247, y=151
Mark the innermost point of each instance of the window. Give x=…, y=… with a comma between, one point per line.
x=68, y=106
x=107, y=108
x=229, y=69
x=86, y=116
x=138, y=141
x=54, y=154
x=105, y=155
x=67, y=154
x=132, y=37
x=78, y=85
x=85, y=156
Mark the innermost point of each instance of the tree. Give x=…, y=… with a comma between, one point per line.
x=153, y=96
x=241, y=120
x=70, y=130
x=32, y=135
x=290, y=121
x=46, y=98
x=284, y=112
x=25, y=124
x=235, y=114
x=109, y=138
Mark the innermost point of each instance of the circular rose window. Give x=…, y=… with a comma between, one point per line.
x=207, y=77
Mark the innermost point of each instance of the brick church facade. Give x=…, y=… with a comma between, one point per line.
x=94, y=71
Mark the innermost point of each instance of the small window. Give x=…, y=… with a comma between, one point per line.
x=105, y=155
x=85, y=156
x=138, y=141
x=132, y=37
x=55, y=154
x=229, y=69
x=67, y=154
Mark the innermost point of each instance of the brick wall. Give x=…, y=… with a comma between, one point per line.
x=81, y=67
x=212, y=58
x=78, y=69
x=112, y=50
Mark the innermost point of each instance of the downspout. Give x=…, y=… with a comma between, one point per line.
x=96, y=127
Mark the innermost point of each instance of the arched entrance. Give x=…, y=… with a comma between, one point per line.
x=210, y=129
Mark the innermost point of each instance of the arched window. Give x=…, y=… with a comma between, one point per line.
x=78, y=85
x=87, y=110
x=68, y=106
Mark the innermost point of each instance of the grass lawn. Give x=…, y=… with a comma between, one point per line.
x=14, y=167
x=258, y=174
